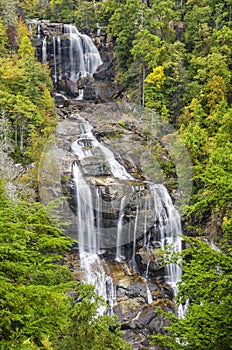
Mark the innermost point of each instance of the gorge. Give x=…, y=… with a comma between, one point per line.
x=102, y=151
x=121, y=219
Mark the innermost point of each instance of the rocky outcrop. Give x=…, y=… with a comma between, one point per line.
x=138, y=316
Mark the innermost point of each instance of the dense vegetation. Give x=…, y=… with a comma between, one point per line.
x=206, y=285
x=26, y=107
x=174, y=57
x=42, y=306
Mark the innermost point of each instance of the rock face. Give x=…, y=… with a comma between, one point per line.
x=136, y=269
x=137, y=314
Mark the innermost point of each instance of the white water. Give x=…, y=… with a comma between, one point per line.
x=85, y=217
x=149, y=295
x=54, y=58
x=38, y=31
x=80, y=96
x=89, y=243
x=95, y=274
x=44, y=50
x=169, y=227
x=87, y=137
x=59, y=57
x=89, y=220
x=89, y=230
x=84, y=57
x=119, y=256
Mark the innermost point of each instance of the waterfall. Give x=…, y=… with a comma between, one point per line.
x=59, y=53
x=119, y=230
x=84, y=57
x=89, y=243
x=117, y=169
x=38, y=31
x=169, y=228
x=134, y=239
x=54, y=58
x=85, y=216
x=149, y=295
x=80, y=95
x=147, y=199
x=89, y=238
x=73, y=55
x=44, y=50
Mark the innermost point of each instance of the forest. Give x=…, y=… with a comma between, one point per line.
x=171, y=56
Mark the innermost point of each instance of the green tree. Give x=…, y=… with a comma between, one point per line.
x=89, y=330
x=3, y=39
x=42, y=306
x=124, y=32
x=25, y=94
x=33, y=280
x=207, y=284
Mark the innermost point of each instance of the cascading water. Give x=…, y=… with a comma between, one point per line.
x=59, y=54
x=168, y=224
x=120, y=230
x=89, y=231
x=44, y=50
x=166, y=219
x=54, y=58
x=73, y=55
x=169, y=229
x=84, y=57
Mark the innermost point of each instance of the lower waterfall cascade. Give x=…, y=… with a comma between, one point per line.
x=154, y=218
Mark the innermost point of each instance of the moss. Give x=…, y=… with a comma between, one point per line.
x=115, y=134
x=122, y=124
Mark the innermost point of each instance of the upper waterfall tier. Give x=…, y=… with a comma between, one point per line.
x=70, y=54
x=84, y=57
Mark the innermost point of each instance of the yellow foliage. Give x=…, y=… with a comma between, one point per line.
x=25, y=48
x=22, y=30
x=216, y=91
x=32, y=346
x=47, y=345
x=9, y=70
x=156, y=77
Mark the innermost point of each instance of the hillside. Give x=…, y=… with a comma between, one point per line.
x=169, y=59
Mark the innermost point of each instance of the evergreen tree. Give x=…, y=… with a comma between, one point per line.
x=42, y=306
x=206, y=284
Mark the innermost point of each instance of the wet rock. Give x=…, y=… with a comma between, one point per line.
x=94, y=166
x=150, y=260
x=132, y=337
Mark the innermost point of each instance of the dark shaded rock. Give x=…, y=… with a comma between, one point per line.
x=134, y=338
x=101, y=72
x=104, y=72
x=150, y=260
x=102, y=91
